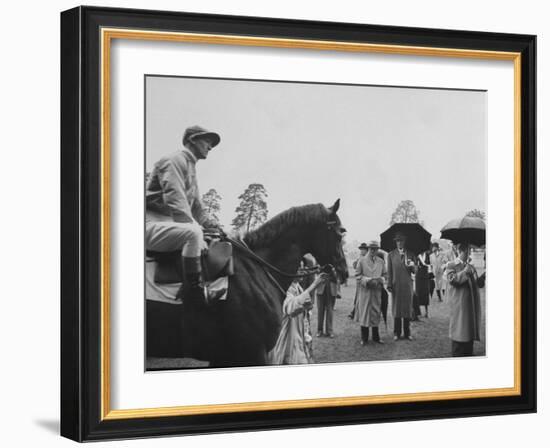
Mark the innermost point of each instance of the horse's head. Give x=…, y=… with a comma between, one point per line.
x=328, y=248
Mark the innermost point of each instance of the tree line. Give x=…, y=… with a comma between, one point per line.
x=406, y=211
x=249, y=214
x=252, y=209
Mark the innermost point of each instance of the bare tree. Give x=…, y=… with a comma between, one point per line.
x=406, y=211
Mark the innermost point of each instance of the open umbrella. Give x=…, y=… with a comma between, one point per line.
x=469, y=230
x=418, y=238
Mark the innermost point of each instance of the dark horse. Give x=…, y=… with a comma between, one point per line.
x=242, y=329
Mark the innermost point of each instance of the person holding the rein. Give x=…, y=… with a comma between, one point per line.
x=295, y=343
x=175, y=216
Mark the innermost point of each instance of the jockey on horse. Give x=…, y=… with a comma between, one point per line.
x=175, y=216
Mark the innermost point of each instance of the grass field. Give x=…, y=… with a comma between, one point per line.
x=430, y=338
x=430, y=335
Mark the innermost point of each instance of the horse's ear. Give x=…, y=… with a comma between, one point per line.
x=335, y=207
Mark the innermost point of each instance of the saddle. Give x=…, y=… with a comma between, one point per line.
x=216, y=262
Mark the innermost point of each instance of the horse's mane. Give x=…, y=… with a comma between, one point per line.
x=264, y=235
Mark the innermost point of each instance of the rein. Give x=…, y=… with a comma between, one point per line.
x=243, y=247
x=267, y=267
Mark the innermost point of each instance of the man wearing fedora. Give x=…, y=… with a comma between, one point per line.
x=400, y=268
x=363, y=249
x=174, y=211
x=370, y=273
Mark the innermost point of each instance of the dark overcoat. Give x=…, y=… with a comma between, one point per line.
x=401, y=282
x=422, y=281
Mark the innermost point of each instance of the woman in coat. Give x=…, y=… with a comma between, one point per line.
x=422, y=282
x=294, y=344
x=370, y=273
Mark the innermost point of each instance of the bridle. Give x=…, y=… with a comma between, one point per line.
x=268, y=267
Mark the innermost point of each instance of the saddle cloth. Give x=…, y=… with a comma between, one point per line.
x=216, y=262
x=166, y=293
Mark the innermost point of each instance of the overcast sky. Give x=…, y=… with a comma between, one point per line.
x=370, y=146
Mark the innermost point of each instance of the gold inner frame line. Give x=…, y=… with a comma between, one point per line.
x=107, y=35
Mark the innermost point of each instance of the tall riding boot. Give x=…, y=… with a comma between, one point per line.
x=191, y=286
x=439, y=295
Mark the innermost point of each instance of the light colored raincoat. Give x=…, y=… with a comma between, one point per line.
x=294, y=344
x=463, y=296
x=369, y=291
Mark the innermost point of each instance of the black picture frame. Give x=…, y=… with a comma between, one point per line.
x=81, y=287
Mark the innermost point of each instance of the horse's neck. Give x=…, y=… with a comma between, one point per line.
x=285, y=250
x=285, y=257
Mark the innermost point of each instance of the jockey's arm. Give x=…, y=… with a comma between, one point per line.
x=201, y=216
x=175, y=195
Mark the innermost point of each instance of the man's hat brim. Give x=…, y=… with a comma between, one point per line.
x=212, y=137
x=194, y=132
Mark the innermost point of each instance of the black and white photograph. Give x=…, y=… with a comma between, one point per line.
x=269, y=224
x=292, y=223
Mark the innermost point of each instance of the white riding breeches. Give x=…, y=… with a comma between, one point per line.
x=162, y=234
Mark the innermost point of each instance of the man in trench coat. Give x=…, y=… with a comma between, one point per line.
x=370, y=273
x=400, y=268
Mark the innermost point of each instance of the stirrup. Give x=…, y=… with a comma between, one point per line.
x=191, y=292
x=200, y=292
x=213, y=296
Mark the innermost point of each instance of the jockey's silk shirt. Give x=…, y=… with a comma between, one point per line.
x=172, y=189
